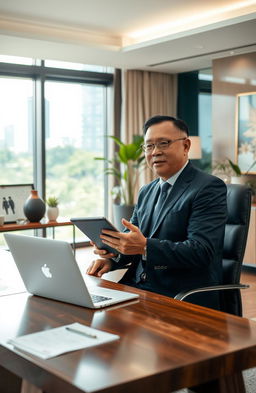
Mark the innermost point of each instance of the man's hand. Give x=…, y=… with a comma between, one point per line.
x=126, y=243
x=99, y=267
x=102, y=253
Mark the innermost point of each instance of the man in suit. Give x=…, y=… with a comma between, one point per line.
x=175, y=237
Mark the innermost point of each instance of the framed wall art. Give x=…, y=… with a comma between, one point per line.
x=246, y=132
x=12, y=198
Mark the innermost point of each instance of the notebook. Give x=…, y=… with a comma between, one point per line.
x=49, y=269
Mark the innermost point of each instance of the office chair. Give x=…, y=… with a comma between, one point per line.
x=236, y=231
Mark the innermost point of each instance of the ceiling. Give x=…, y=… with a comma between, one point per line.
x=157, y=35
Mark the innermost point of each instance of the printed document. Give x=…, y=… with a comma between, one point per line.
x=52, y=342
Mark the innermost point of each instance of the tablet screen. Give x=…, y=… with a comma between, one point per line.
x=92, y=228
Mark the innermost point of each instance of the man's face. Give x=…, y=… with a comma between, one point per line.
x=166, y=162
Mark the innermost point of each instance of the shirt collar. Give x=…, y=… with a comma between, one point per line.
x=174, y=177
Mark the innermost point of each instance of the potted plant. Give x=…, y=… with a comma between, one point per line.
x=125, y=167
x=52, y=208
x=231, y=173
x=239, y=177
x=223, y=170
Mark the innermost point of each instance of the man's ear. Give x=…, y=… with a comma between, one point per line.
x=187, y=144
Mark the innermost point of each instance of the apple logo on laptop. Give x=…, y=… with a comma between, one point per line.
x=46, y=271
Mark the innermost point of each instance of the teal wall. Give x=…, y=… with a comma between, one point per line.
x=188, y=90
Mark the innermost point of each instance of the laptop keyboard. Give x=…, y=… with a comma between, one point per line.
x=98, y=298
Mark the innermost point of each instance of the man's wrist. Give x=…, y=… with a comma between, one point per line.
x=116, y=258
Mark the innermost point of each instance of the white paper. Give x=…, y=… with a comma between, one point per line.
x=53, y=342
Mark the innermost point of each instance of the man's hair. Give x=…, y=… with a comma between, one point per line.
x=180, y=124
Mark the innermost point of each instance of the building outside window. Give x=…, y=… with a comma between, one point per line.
x=75, y=129
x=16, y=130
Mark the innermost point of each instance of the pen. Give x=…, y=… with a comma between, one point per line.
x=70, y=329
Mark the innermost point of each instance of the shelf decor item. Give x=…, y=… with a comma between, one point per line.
x=52, y=208
x=13, y=197
x=34, y=207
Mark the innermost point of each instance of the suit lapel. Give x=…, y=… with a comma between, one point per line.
x=177, y=190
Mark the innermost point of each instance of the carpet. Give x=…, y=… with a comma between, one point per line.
x=249, y=381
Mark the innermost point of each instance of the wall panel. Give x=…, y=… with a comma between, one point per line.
x=231, y=76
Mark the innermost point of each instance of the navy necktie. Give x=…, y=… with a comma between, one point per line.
x=164, y=188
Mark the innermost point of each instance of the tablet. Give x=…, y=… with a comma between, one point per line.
x=92, y=227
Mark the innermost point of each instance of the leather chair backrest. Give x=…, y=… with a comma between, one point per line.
x=236, y=231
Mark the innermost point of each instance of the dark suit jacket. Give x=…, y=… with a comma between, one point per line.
x=184, y=247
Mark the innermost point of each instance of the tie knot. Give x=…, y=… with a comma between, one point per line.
x=165, y=187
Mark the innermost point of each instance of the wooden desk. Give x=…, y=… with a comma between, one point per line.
x=40, y=225
x=164, y=345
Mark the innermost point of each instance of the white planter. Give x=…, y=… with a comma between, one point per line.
x=243, y=179
x=52, y=213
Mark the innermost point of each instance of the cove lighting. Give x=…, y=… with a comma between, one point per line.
x=169, y=27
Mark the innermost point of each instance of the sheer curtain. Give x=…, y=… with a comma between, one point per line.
x=147, y=94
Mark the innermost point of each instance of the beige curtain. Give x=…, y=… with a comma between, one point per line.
x=147, y=94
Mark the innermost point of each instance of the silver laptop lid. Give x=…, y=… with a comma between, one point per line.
x=48, y=268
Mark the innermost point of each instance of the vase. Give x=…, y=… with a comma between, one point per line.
x=52, y=213
x=121, y=211
x=34, y=207
x=243, y=179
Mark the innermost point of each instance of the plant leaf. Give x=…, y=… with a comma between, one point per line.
x=235, y=167
x=117, y=140
x=126, y=164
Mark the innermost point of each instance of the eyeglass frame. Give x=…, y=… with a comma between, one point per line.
x=154, y=145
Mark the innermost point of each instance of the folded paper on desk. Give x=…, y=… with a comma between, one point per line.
x=49, y=343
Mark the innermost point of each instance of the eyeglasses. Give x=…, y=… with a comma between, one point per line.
x=162, y=145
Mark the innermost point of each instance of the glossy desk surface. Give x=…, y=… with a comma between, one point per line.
x=164, y=344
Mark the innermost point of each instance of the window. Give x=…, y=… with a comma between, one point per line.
x=194, y=106
x=205, y=128
x=16, y=130
x=205, y=118
x=53, y=123
x=77, y=66
x=16, y=60
x=75, y=130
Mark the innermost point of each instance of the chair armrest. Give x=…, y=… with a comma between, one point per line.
x=183, y=295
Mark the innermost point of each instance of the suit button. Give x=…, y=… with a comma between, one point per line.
x=143, y=276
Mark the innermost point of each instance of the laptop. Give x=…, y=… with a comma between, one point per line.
x=49, y=269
